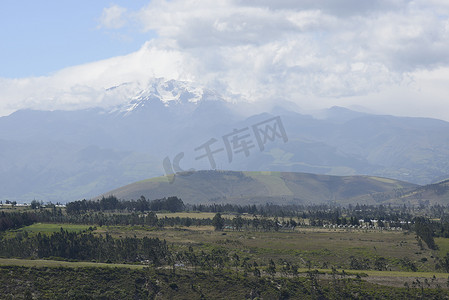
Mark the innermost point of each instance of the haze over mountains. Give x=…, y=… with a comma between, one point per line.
x=70, y=155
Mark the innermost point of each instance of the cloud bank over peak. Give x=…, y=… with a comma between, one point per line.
x=378, y=54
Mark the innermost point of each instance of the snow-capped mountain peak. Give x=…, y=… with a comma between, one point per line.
x=172, y=94
x=168, y=91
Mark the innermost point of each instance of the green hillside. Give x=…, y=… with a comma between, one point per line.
x=431, y=194
x=262, y=187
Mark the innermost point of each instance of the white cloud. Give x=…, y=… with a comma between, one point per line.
x=113, y=17
x=84, y=86
x=313, y=43
x=313, y=52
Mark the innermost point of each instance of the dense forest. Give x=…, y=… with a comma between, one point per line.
x=84, y=246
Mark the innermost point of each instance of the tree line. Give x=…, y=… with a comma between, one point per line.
x=13, y=220
x=84, y=247
x=172, y=204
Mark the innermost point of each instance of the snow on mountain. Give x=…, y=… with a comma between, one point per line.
x=67, y=155
x=177, y=96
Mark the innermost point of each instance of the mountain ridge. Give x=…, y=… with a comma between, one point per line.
x=219, y=186
x=137, y=141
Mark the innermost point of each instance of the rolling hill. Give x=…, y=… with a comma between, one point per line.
x=264, y=187
x=431, y=194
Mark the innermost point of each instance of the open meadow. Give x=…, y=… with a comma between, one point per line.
x=374, y=252
x=306, y=247
x=334, y=261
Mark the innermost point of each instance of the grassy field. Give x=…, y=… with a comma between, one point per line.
x=305, y=247
x=193, y=215
x=47, y=228
x=7, y=207
x=318, y=248
x=315, y=247
x=82, y=264
x=199, y=215
x=443, y=246
x=386, y=278
x=57, y=263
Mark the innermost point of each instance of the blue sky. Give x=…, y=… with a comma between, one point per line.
x=41, y=37
x=384, y=56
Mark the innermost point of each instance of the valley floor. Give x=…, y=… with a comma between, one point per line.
x=202, y=263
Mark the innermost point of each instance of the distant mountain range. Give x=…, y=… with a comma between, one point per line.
x=266, y=187
x=169, y=126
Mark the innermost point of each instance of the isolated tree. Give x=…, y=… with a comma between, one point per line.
x=218, y=222
x=237, y=222
x=35, y=204
x=293, y=223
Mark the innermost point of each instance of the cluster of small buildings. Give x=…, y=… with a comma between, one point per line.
x=11, y=204
x=372, y=224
